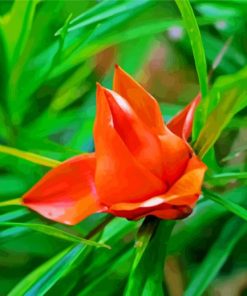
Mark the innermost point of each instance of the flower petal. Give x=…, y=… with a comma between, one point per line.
x=177, y=202
x=119, y=177
x=181, y=124
x=67, y=193
x=143, y=144
x=188, y=188
x=176, y=154
x=172, y=213
x=175, y=151
x=164, y=211
x=145, y=106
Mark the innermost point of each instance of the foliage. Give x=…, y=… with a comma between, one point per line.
x=52, y=54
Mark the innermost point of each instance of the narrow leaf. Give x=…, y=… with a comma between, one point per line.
x=232, y=232
x=45, y=276
x=229, y=176
x=35, y=158
x=98, y=13
x=13, y=215
x=196, y=42
x=207, y=213
x=55, y=232
x=229, y=205
x=17, y=27
x=149, y=277
x=143, y=237
x=231, y=94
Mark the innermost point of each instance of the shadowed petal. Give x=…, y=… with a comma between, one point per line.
x=181, y=124
x=145, y=106
x=176, y=154
x=164, y=211
x=67, y=193
x=172, y=213
x=119, y=177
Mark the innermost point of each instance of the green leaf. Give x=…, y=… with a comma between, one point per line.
x=11, y=215
x=106, y=281
x=196, y=43
x=11, y=185
x=230, y=96
x=102, y=37
x=148, y=277
x=45, y=276
x=17, y=26
x=55, y=232
x=12, y=232
x=144, y=235
x=232, y=232
x=229, y=205
x=206, y=214
x=104, y=10
x=29, y=156
x=229, y=176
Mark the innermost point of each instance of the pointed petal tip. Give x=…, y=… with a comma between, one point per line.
x=98, y=85
x=119, y=70
x=100, y=89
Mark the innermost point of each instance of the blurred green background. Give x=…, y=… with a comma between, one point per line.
x=52, y=54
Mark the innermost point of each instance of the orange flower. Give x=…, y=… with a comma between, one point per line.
x=140, y=166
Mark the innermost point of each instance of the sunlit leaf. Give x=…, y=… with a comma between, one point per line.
x=29, y=156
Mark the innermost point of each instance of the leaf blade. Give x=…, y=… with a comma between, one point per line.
x=230, y=235
x=35, y=158
x=196, y=43
x=55, y=232
x=39, y=281
x=229, y=205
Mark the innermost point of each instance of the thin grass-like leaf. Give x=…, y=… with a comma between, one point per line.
x=45, y=276
x=230, y=96
x=232, y=232
x=149, y=277
x=17, y=27
x=11, y=215
x=229, y=205
x=55, y=232
x=229, y=176
x=35, y=158
x=144, y=235
x=104, y=10
x=196, y=42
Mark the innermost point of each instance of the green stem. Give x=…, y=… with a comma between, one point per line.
x=147, y=272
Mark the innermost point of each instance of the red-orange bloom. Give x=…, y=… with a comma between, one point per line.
x=140, y=166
